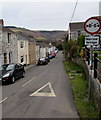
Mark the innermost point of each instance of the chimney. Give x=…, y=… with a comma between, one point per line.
x=1, y=22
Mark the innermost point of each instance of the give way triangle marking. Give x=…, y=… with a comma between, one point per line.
x=38, y=93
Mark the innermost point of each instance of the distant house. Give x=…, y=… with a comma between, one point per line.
x=42, y=51
x=43, y=48
x=76, y=29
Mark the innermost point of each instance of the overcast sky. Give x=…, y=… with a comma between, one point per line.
x=46, y=14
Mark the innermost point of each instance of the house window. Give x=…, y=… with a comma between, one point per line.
x=5, y=58
x=9, y=37
x=22, y=59
x=21, y=44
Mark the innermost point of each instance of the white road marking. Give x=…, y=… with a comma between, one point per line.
x=51, y=94
x=3, y=100
x=28, y=82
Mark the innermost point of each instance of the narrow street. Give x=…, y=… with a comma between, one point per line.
x=44, y=92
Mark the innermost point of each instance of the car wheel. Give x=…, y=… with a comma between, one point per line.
x=23, y=74
x=13, y=80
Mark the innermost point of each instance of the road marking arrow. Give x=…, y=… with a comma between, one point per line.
x=38, y=93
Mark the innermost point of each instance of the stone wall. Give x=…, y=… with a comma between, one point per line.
x=95, y=84
x=11, y=47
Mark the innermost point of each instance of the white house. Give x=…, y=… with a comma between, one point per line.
x=42, y=51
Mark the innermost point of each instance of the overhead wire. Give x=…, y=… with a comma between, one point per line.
x=74, y=11
x=72, y=16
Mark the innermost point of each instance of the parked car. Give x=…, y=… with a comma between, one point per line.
x=10, y=72
x=53, y=54
x=42, y=61
x=3, y=67
x=50, y=56
x=56, y=50
x=48, y=59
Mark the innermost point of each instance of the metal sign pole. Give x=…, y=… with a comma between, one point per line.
x=90, y=73
x=92, y=26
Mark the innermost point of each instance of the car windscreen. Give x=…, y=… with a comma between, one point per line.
x=10, y=67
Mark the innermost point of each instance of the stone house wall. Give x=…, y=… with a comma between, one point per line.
x=9, y=47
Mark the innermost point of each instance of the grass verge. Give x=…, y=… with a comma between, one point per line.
x=79, y=84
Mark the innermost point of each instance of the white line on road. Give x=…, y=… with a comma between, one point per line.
x=28, y=82
x=3, y=100
x=38, y=93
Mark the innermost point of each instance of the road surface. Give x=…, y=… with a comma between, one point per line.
x=44, y=92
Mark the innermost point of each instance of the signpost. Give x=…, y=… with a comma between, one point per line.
x=92, y=26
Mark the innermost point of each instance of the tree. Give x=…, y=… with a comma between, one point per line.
x=71, y=49
x=80, y=41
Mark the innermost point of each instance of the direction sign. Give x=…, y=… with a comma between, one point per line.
x=92, y=25
x=92, y=40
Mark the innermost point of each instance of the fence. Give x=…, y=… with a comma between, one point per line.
x=97, y=67
x=96, y=63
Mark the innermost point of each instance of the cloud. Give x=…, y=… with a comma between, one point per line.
x=49, y=0
x=46, y=15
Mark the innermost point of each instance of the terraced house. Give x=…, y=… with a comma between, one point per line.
x=26, y=47
x=18, y=45
x=9, y=48
x=23, y=51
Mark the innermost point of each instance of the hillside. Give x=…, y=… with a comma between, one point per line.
x=53, y=35
x=49, y=36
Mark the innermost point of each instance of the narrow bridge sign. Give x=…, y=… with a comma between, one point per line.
x=92, y=40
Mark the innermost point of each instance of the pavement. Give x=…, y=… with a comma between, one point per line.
x=27, y=67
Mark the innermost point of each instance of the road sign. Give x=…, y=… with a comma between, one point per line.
x=92, y=25
x=92, y=40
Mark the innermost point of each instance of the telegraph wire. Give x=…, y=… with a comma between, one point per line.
x=74, y=11
x=73, y=16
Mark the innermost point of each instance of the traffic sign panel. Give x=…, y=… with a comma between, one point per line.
x=92, y=40
x=92, y=25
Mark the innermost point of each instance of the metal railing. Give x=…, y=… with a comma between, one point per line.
x=96, y=63
x=97, y=67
